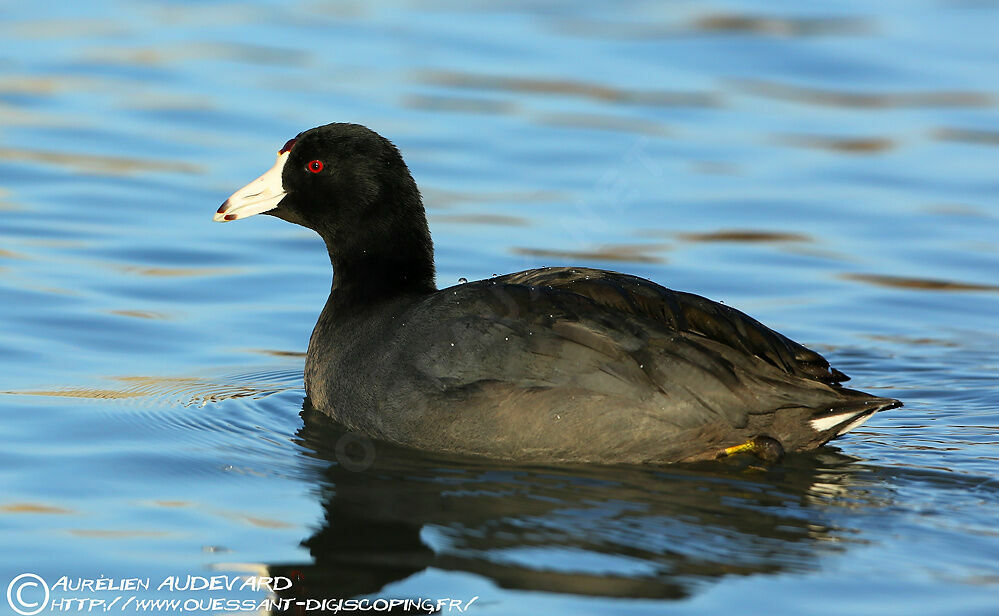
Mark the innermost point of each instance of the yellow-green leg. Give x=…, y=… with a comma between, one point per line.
x=764, y=447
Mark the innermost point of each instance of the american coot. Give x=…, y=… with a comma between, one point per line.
x=555, y=364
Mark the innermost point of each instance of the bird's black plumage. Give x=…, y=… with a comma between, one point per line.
x=552, y=364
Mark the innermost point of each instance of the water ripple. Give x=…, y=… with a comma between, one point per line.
x=186, y=391
x=565, y=88
x=864, y=100
x=919, y=284
x=96, y=163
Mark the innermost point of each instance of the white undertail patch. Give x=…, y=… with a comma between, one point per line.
x=856, y=423
x=821, y=424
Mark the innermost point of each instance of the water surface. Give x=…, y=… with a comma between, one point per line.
x=832, y=170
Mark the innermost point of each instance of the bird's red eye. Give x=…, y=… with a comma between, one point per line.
x=315, y=166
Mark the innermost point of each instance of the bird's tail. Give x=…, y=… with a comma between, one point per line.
x=839, y=420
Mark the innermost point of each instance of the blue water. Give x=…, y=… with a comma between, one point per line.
x=832, y=170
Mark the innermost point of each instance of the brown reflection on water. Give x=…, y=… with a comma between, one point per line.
x=228, y=514
x=955, y=209
x=98, y=164
x=177, y=272
x=53, y=290
x=787, y=242
x=571, y=120
x=173, y=504
x=36, y=86
x=626, y=253
x=255, y=520
x=277, y=353
x=721, y=23
x=167, y=54
x=44, y=86
x=604, y=122
x=920, y=284
x=847, y=145
x=463, y=104
x=141, y=314
x=863, y=100
x=9, y=254
x=495, y=220
x=80, y=392
x=912, y=341
x=15, y=116
x=255, y=54
x=562, y=87
x=744, y=236
x=34, y=508
x=189, y=391
x=780, y=26
x=966, y=135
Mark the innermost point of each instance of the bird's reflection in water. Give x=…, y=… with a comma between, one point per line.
x=635, y=532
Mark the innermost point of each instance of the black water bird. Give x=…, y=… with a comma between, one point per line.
x=564, y=364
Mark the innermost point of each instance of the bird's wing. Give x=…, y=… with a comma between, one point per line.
x=683, y=312
x=516, y=370
x=548, y=370
x=535, y=339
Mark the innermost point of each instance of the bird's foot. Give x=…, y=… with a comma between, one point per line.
x=766, y=448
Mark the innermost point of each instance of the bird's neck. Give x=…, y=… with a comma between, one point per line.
x=379, y=272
